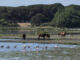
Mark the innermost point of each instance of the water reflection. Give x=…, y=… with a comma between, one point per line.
x=35, y=51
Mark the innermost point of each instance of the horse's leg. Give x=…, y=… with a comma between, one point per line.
x=48, y=37
x=44, y=37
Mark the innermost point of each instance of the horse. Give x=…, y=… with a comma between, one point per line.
x=62, y=34
x=24, y=36
x=44, y=36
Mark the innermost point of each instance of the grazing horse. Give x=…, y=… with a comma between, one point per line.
x=62, y=34
x=43, y=35
x=24, y=36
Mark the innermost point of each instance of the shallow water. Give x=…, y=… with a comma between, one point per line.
x=37, y=51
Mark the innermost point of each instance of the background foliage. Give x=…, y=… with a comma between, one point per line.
x=54, y=14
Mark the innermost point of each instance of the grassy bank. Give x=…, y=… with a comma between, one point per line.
x=68, y=39
x=32, y=35
x=44, y=41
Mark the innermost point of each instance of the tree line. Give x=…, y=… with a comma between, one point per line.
x=54, y=14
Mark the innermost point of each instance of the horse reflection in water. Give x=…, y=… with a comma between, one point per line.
x=44, y=36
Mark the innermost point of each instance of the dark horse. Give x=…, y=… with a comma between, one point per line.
x=44, y=36
x=62, y=34
x=24, y=36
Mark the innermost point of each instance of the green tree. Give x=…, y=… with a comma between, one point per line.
x=5, y=23
x=68, y=17
x=38, y=19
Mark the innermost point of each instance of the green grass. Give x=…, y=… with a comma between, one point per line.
x=52, y=30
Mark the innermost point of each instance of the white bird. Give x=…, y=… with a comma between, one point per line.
x=24, y=46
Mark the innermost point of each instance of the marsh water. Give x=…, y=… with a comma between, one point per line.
x=38, y=51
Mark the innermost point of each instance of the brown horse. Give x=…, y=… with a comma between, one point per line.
x=62, y=34
x=44, y=36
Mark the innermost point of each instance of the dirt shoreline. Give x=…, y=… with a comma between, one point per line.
x=54, y=39
x=44, y=41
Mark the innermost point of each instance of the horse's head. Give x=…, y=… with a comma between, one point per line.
x=47, y=35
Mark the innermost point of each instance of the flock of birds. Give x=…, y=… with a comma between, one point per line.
x=24, y=46
x=28, y=47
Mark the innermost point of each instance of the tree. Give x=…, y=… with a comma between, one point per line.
x=5, y=23
x=68, y=17
x=38, y=19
